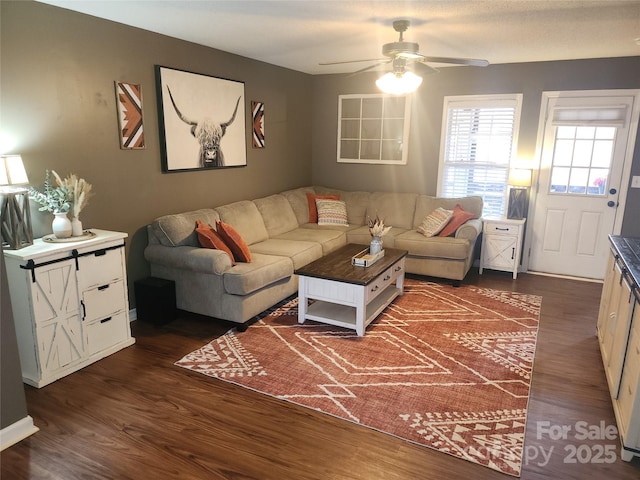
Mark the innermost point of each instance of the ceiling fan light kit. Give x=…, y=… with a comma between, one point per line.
x=401, y=81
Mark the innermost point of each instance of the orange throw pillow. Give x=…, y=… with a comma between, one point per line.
x=234, y=241
x=459, y=217
x=209, y=238
x=313, y=210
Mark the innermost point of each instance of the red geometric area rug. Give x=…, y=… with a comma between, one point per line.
x=448, y=368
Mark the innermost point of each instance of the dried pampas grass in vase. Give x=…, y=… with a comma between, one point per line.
x=80, y=191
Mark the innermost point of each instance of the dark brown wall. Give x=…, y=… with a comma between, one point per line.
x=12, y=399
x=421, y=172
x=57, y=82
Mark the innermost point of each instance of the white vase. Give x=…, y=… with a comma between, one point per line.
x=61, y=225
x=376, y=245
x=76, y=227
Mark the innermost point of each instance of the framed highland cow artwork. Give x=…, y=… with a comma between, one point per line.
x=201, y=121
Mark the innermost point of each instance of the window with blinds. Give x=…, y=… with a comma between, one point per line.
x=583, y=149
x=478, y=144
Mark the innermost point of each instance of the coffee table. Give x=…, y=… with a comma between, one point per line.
x=346, y=295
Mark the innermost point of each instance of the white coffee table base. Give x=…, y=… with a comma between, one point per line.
x=349, y=305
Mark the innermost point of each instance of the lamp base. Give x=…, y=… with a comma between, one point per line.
x=518, y=203
x=15, y=219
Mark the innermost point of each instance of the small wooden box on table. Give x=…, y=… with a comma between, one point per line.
x=346, y=295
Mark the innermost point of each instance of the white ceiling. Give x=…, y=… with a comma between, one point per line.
x=301, y=33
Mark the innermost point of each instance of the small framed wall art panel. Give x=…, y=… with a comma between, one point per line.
x=201, y=121
x=130, y=125
x=257, y=112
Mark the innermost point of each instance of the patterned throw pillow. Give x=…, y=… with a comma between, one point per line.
x=435, y=221
x=459, y=217
x=234, y=241
x=209, y=238
x=311, y=200
x=332, y=212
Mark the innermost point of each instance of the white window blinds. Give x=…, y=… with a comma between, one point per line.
x=479, y=138
x=611, y=116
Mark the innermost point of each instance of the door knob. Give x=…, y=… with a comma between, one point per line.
x=611, y=203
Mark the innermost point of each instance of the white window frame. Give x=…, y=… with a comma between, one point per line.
x=362, y=134
x=512, y=100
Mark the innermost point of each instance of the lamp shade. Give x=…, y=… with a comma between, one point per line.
x=519, y=177
x=12, y=170
x=399, y=83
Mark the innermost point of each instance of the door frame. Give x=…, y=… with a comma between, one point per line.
x=537, y=160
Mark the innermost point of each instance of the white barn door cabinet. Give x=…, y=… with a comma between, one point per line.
x=70, y=304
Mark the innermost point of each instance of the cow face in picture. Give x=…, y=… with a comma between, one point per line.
x=208, y=134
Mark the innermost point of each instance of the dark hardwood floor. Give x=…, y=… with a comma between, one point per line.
x=134, y=415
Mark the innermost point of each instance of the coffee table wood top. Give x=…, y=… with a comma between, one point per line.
x=337, y=265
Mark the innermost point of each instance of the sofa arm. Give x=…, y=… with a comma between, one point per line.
x=205, y=260
x=470, y=230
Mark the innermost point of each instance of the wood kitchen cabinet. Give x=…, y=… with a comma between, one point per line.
x=619, y=338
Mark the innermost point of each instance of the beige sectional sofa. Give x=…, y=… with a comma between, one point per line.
x=277, y=230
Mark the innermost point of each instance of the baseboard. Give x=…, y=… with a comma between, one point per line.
x=567, y=277
x=16, y=432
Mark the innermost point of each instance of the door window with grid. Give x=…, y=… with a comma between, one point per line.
x=581, y=160
x=479, y=138
x=373, y=128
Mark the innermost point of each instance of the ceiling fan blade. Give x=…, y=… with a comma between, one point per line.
x=353, y=61
x=423, y=69
x=370, y=67
x=458, y=61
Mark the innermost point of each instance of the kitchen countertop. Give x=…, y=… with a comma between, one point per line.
x=628, y=249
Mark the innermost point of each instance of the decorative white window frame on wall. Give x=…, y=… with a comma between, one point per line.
x=373, y=128
x=485, y=154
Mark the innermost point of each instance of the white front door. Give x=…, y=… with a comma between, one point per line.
x=585, y=145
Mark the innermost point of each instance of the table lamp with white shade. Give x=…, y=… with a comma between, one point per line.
x=15, y=215
x=519, y=183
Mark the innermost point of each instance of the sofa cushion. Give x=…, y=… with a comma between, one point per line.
x=434, y=222
x=263, y=271
x=329, y=239
x=357, y=203
x=277, y=214
x=209, y=238
x=246, y=219
x=332, y=212
x=235, y=242
x=313, y=207
x=434, y=247
x=362, y=236
x=298, y=251
x=458, y=217
x=179, y=229
x=395, y=209
x=298, y=200
x=426, y=204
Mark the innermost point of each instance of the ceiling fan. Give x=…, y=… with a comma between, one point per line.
x=403, y=54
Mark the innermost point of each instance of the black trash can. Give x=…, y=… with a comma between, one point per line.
x=155, y=300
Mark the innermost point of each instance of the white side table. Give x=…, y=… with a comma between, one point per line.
x=502, y=244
